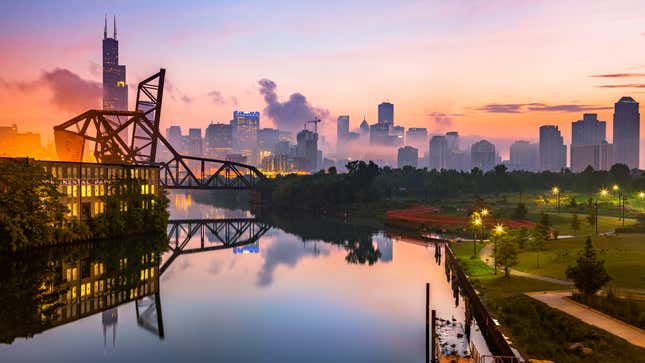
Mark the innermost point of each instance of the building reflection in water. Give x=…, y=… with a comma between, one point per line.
x=55, y=286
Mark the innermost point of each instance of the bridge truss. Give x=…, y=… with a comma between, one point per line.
x=219, y=233
x=133, y=137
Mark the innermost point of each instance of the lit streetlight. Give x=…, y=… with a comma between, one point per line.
x=477, y=222
x=556, y=192
x=499, y=230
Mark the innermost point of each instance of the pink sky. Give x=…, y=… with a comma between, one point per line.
x=443, y=64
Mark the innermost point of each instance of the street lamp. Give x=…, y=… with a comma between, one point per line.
x=641, y=195
x=477, y=222
x=603, y=192
x=621, y=202
x=556, y=192
x=499, y=230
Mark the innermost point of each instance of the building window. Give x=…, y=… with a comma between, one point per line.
x=74, y=190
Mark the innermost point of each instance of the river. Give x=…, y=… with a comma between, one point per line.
x=309, y=289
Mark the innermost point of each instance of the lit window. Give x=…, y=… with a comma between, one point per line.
x=152, y=189
x=68, y=274
x=75, y=190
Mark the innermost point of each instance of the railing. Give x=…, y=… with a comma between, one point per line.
x=497, y=344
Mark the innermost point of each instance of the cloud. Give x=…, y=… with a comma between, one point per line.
x=95, y=69
x=216, y=97
x=537, y=107
x=286, y=253
x=289, y=115
x=186, y=99
x=70, y=92
x=618, y=75
x=443, y=120
x=215, y=267
x=175, y=92
x=629, y=85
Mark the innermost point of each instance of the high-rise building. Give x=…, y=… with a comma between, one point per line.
x=174, y=137
x=194, y=142
x=386, y=113
x=380, y=134
x=524, y=156
x=627, y=121
x=267, y=139
x=115, y=88
x=245, y=127
x=588, y=144
x=417, y=137
x=397, y=134
x=219, y=140
x=437, y=152
x=342, y=128
x=307, y=149
x=482, y=155
x=364, y=128
x=407, y=156
x=553, y=152
x=452, y=141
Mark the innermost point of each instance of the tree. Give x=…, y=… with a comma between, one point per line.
x=589, y=274
x=573, y=203
x=575, y=222
x=544, y=220
x=506, y=252
x=520, y=211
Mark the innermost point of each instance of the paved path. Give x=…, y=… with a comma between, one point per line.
x=560, y=300
x=486, y=255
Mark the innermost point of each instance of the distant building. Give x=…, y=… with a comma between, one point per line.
x=386, y=113
x=364, y=128
x=115, y=88
x=342, y=128
x=267, y=139
x=194, y=142
x=524, y=156
x=407, y=156
x=482, y=155
x=553, y=152
x=307, y=149
x=627, y=121
x=589, y=145
x=437, y=152
x=175, y=138
x=380, y=134
x=417, y=137
x=452, y=141
x=219, y=140
x=282, y=148
x=397, y=134
x=245, y=127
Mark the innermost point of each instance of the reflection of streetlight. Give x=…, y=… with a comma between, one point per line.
x=556, y=192
x=499, y=230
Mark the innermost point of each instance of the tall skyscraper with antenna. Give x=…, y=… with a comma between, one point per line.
x=115, y=88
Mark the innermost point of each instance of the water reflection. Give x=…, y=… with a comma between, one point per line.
x=276, y=288
x=52, y=287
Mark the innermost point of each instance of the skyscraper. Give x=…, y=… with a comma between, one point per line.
x=307, y=149
x=342, y=128
x=417, y=137
x=194, y=142
x=115, y=89
x=438, y=152
x=482, y=155
x=627, y=121
x=379, y=134
x=174, y=137
x=407, y=156
x=386, y=113
x=588, y=144
x=219, y=140
x=524, y=156
x=553, y=152
x=245, y=127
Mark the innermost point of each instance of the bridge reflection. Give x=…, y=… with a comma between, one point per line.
x=56, y=286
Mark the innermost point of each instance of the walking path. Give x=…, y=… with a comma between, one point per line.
x=560, y=300
x=486, y=255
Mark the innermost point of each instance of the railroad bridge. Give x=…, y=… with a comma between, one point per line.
x=133, y=137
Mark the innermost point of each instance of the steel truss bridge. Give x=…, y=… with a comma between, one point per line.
x=133, y=137
x=214, y=234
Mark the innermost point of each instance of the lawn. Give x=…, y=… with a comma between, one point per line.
x=624, y=257
x=562, y=223
x=472, y=266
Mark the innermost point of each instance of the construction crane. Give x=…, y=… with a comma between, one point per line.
x=315, y=122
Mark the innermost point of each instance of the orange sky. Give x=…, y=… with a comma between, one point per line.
x=443, y=64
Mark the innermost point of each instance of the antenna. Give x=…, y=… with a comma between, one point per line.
x=114, y=27
x=105, y=28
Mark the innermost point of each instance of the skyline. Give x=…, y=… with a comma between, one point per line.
x=511, y=67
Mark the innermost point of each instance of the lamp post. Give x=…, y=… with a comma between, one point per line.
x=596, y=215
x=477, y=222
x=556, y=192
x=499, y=230
x=621, y=202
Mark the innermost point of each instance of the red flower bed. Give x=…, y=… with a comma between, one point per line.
x=428, y=215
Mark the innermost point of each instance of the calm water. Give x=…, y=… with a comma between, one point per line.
x=310, y=289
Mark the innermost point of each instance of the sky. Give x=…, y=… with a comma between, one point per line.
x=490, y=69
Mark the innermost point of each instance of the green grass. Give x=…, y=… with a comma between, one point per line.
x=562, y=223
x=472, y=266
x=624, y=257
